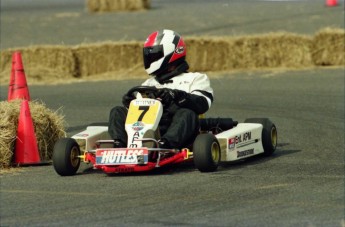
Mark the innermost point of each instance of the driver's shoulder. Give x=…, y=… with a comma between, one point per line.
x=150, y=82
x=193, y=75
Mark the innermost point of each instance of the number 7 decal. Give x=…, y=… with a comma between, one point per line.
x=145, y=109
x=147, y=114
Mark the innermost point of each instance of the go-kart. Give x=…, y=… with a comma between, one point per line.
x=219, y=140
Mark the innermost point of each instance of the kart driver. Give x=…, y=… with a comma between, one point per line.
x=184, y=95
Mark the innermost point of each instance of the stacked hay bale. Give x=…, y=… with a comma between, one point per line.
x=42, y=63
x=276, y=50
x=49, y=127
x=117, y=5
x=329, y=47
x=252, y=52
x=107, y=57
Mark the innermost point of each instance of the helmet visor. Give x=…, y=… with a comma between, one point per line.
x=152, y=54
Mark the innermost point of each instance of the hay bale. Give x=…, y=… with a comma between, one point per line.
x=273, y=50
x=328, y=47
x=41, y=63
x=249, y=52
x=48, y=125
x=117, y=5
x=207, y=54
x=107, y=57
x=52, y=64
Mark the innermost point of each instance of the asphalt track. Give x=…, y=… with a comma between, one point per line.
x=302, y=184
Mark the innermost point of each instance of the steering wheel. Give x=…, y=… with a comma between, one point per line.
x=148, y=91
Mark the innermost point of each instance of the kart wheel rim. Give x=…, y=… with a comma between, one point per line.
x=274, y=137
x=215, y=152
x=74, y=156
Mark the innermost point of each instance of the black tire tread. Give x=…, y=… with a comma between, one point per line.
x=61, y=157
x=202, y=154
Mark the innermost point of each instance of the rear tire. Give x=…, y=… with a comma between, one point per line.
x=65, y=157
x=206, y=153
x=269, y=134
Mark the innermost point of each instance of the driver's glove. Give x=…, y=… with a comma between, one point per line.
x=126, y=100
x=167, y=95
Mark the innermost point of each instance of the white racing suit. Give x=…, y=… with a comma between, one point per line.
x=180, y=121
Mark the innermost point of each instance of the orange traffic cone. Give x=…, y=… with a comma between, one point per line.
x=10, y=91
x=18, y=88
x=26, y=148
x=331, y=3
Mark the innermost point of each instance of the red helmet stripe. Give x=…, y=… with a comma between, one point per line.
x=151, y=39
x=180, y=51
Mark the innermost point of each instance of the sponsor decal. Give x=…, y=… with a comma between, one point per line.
x=179, y=50
x=120, y=156
x=137, y=126
x=134, y=138
x=241, y=154
x=244, y=137
x=184, y=82
x=231, y=143
x=82, y=135
x=124, y=169
x=144, y=102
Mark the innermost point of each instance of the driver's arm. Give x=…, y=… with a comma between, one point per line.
x=200, y=96
x=197, y=103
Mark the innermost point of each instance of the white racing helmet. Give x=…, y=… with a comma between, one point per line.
x=163, y=49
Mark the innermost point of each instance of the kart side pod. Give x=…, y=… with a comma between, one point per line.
x=87, y=138
x=254, y=137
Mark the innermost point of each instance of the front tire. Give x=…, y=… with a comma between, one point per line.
x=206, y=153
x=269, y=134
x=66, y=159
